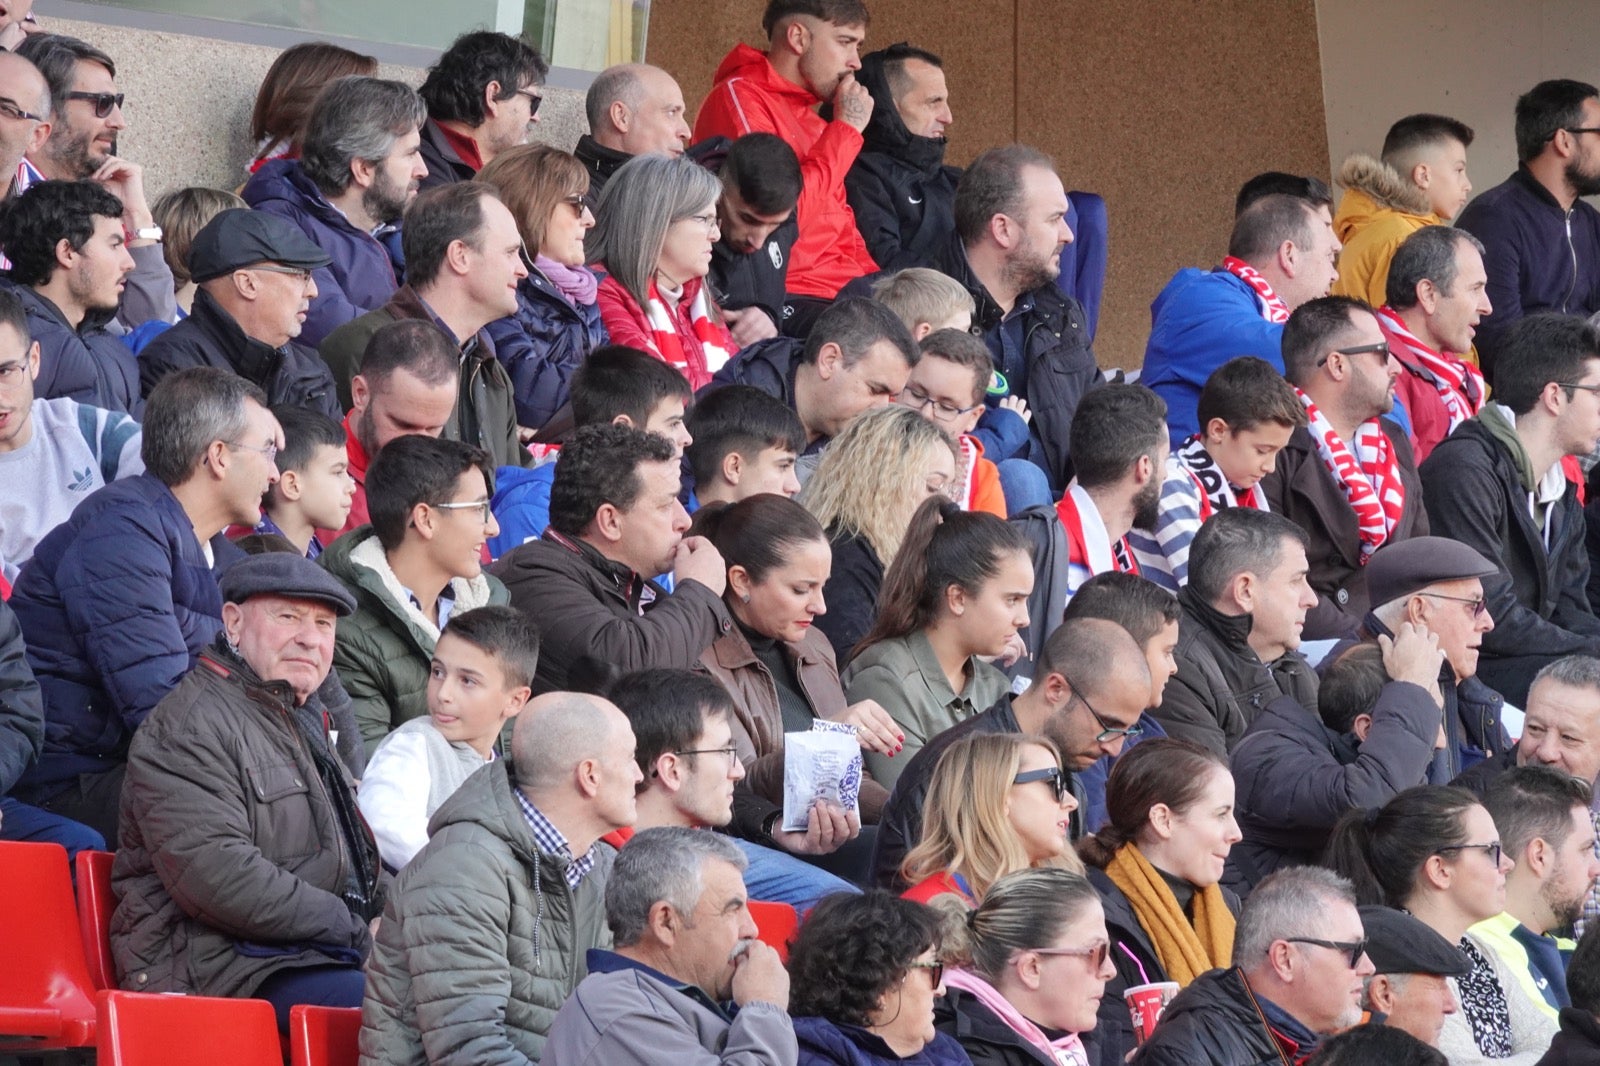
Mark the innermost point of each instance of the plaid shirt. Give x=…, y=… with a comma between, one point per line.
x=1591, y=902
x=551, y=842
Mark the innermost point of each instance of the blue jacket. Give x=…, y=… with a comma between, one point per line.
x=364, y=273
x=88, y=364
x=1539, y=257
x=542, y=344
x=521, y=505
x=1202, y=319
x=116, y=604
x=827, y=1043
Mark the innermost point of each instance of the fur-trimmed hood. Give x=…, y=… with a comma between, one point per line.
x=1382, y=185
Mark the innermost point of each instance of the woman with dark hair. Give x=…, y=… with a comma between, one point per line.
x=1033, y=961
x=292, y=83
x=1156, y=865
x=864, y=975
x=777, y=666
x=557, y=321
x=1434, y=852
x=957, y=590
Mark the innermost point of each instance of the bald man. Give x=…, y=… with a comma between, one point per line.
x=24, y=88
x=633, y=109
x=486, y=929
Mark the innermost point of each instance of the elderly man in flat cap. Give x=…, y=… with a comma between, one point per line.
x=255, y=290
x=245, y=868
x=1408, y=988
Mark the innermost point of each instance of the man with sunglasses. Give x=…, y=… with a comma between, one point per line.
x=1541, y=239
x=1348, y=478
x=1498, y=484
x=482, y=95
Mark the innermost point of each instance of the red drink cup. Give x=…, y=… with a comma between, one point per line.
x=1145, y=1004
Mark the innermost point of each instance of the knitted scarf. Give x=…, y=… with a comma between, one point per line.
x=1273, y=309
x=1215, y=492
x=701, y=358
x=1186, y=950
x=1369, y=476
x=1460, y=384
x=577, y=285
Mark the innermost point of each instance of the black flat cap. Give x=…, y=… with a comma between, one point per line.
x=239, y=237
x=1398, y=570
x=282, y=574
x=1399, y=943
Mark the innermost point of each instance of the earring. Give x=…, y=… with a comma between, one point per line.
x=744, y=598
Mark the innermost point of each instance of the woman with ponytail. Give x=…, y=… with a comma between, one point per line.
x=1156, y=865
x=957, y=591
x=1435, y=852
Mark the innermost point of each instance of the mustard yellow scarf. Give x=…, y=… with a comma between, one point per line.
x=1186, y=950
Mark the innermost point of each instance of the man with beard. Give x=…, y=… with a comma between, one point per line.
x=750, y=262
x=1348, y=479
x=903, y=195
x=1010, y=229
x=1119, y=449
x=360, y=165
x=1541, y=240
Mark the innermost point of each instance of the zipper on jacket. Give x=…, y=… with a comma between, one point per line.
x=1572, y=250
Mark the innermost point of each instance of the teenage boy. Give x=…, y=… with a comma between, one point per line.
x=314, y=490
x=1247, y=412
x=745, y=442
x=616, y=385
x=947, y=387
x=480, y=678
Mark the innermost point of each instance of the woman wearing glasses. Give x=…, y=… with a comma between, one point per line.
x=557, y=321
x=1156, y=865
x=997, y=803
x=657, y=225
x=865, y=972
x=869, y=484
x=1434, y=852
x=957, y=590
x=1033, y=968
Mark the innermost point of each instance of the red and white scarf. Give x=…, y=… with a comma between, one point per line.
x=1215, y=492
x=1370, y=476
x=971, y=452
x=1460, y=384
x=711, y=345
x=1273, y=309
x=1088, y=544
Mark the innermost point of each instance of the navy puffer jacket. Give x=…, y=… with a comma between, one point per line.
x=542, y=345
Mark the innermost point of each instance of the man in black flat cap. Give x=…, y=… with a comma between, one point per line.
x=1407, y=989
x=255, y=290
x=245, y=869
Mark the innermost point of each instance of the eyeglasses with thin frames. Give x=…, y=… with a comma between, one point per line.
x=916, y=399
x=710, y=222
x=1109, y=730
x=103, y=102
x=1382, y=347
x=301, y=275
x=481, y=506
x=10, y=110
x=1096, y=955
x=1355, y=948
x=1575, y=385
x=1480, y=606
x=1493, y=850
x=270, y=450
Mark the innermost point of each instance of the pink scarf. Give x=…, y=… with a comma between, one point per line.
x=1460, y=385
x=1370, y=477
x=711, y=345
x=1273, y=309
x=1067, y=1050
x=578, y=284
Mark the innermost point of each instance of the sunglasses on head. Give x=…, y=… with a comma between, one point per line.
x=103, y=102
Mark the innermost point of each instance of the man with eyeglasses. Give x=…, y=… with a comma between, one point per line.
x=1541, y=239
x=119, y=600
x=633, y=109
x=1299, y=963
x=482, y=95
x=417, y=563
x=1499, y=485
x=25, y=117
x=254, y=273
x=1348, y=478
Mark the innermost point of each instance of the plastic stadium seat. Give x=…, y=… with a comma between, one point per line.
x=46, y=995
x=140, y=1029
x=324, y=1036
x=95, y=904
x=776, y=924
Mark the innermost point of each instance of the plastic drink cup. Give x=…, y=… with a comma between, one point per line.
x=1145, y=1005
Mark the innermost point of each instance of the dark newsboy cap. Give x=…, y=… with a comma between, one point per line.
x=240, y=237
x=1398, y=570
x=1399, y=943
x=282, y=574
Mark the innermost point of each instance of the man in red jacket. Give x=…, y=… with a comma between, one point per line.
x=812, y=56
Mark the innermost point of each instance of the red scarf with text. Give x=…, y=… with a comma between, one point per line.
x=1121, y=556
x=1273, y=309
x=1369, y=476
x=697, y=361
x=1460, y=384
x=1215, y=492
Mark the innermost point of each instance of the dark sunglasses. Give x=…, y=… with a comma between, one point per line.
x=1382, y=347
x=103, y=102
x=1052, y=774
x=1355, y=948
x=579, y=202
x=935, y=971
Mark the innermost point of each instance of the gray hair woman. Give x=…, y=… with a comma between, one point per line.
x=656, y=224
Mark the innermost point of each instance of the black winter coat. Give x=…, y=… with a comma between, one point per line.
x=1216, y=1021
x=986, y=1039
x=1578, y=1042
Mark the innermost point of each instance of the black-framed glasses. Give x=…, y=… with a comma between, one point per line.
x=1355, y=948
x=1052, y=774
x=1580, y=129
x=935, y=971
x=10, y=110
x=1575, y=385
x=103, y=102
x=269, y=450
x=1096, y=955
x=1493, y=850
x=1480, y=606
x=1109, y=730
x=730, y=752
x=481, y=506
x=1381, y=347
x=534, y=100
x=916, y=399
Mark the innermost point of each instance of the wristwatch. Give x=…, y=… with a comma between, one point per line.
x=147, y=233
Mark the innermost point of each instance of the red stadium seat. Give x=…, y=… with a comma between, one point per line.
x=140, y=1029
x=95, y=904
x=46, y=995
x=324, y=1036
x=776, y=924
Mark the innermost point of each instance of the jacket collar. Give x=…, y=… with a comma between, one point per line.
x=1232, y=629
x=1523, y=177
x=630, y=584
x=253, y=360
x=598, y=158
x=886, y=132
x=92, y=320
x=408, y=303
x=602, y=961
x=222, y=660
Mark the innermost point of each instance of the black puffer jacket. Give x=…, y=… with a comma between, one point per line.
x=21, y=705
x=903, y=195
x=1216, y=1021
x=986, y=1039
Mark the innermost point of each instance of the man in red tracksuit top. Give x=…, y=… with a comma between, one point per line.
x=812, y=56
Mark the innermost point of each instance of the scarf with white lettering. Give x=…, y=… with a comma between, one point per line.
x=1215, y=492
x=1096, y=555
x=1273, y=309
x=701, y=357
x=1460, y=384
x=1369, y=475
